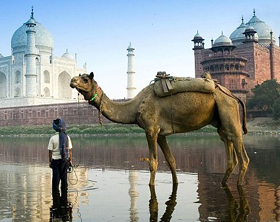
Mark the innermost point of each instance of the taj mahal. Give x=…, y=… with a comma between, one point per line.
x=32, y=75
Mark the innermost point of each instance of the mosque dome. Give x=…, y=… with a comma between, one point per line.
x=222, y=40
x=262, y=29
x=237, y=36
x=43, y=38
x=67, y=55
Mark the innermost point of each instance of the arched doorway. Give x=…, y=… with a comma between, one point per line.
x=64, y=90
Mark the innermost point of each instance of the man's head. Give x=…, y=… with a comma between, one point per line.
x=59, y=125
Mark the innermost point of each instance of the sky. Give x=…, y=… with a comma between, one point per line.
x=100, y=31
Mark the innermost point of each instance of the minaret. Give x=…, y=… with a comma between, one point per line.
x=30, y=58
x=198, y=54
x=131, y=89
x=271, y=50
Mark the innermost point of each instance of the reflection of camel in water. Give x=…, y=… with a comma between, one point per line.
x=170, y=205
x=178, y=113
x=237, y=211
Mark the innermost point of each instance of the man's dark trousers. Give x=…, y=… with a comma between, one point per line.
x=59, y=168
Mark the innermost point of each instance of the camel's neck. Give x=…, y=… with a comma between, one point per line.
x=118, y=112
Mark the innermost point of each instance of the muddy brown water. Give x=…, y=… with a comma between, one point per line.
x=110, y=181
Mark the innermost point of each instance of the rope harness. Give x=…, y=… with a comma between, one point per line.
x=100, y=106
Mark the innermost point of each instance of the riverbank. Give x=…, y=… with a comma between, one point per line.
x=261, y=125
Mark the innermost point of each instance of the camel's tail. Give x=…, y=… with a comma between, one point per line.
x=244, y=116
x=244, y=119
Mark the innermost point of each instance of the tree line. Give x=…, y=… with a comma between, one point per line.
x=266, y=97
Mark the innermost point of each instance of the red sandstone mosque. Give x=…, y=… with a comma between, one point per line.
x=247, y=58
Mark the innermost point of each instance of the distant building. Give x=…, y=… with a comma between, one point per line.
x=32, y=75
x=247, y=58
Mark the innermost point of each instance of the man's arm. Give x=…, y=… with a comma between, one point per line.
x=70, y=157
x=50, y=158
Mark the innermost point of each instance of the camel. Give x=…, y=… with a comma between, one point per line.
x=178, y=113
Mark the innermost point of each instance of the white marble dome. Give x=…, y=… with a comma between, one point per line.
x=67, y=55
x=43, y=38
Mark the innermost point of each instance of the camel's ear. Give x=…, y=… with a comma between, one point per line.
x=91, y=75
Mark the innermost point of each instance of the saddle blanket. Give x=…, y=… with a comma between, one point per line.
x=172, y=85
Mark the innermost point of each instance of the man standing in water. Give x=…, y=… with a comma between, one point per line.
x=60, y=158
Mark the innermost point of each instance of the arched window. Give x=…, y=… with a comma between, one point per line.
x=3, y=85
x=17, y=92
x=17, y=77
x=46, y=76
x=47, y=92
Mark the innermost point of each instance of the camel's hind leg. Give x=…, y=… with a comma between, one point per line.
x=169, y=157
x=231, y=157
x=235, y=154
x=242, y=157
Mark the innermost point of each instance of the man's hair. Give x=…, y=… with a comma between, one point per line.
x=56, y=121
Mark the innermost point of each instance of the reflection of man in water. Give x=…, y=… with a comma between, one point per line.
x=60, y=158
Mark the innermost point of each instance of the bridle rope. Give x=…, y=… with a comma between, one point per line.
x=100, y=106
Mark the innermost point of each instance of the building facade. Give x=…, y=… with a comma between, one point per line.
x=239, y=62
x=32, y=75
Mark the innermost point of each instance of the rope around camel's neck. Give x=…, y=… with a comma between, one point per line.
x=92, y=101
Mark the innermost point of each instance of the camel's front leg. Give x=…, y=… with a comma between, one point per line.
x=169, y=157
x=152, y=136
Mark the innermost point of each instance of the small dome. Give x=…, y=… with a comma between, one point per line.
x=249, y=29
x=67, y=55
x=222, y=40
x=43, y=38
x=197, y=36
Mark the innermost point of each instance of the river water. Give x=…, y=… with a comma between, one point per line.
x=110, y=181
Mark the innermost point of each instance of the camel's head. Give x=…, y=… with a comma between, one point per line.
x=84, y=84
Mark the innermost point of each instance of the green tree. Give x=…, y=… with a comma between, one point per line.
x=276, y=109
x=265, y=95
